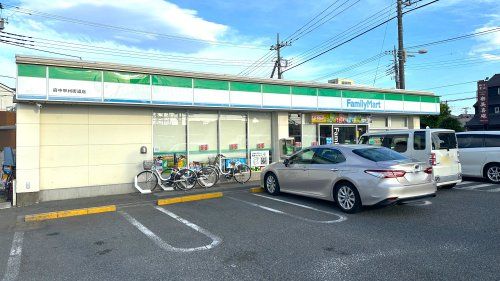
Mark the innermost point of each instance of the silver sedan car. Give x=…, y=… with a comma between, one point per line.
x=351, y=175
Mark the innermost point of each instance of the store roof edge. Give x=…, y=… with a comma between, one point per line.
x=22, y=59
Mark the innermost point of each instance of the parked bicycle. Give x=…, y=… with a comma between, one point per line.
x=206, y=176
x=241, y=172
x=149, y=179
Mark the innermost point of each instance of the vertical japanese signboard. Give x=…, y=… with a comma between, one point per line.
x=482, y=101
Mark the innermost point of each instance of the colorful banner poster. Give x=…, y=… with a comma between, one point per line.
x=339, y=118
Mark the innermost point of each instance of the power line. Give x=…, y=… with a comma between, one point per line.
x=462, y=99
x=344, y=34
x=6, y=76
x=358, y=35
x=36, y=49
x=312, y=19
x=460, y=93
x=314, y=23
x=82, y=48
x=496, y=29
x=319, y=23
x=449, y=85
x=302, y=31
x=121, y=28
x=353, y=66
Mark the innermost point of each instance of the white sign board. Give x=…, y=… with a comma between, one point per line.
x=259, y=158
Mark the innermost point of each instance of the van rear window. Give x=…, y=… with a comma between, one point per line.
x=443, y=140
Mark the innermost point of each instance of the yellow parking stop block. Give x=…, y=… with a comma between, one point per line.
x=72, y=213
x=189, y=198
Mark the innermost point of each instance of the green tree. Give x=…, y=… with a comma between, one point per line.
x=444, y=120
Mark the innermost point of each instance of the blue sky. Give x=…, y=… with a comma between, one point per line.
x=254, y=24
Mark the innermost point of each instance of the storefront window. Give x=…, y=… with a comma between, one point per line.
x=169, y=137
x=233, y=135
x=259, y=127
x=202, y=136
x=399, y=122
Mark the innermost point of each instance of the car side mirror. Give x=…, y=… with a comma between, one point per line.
x=286, y=162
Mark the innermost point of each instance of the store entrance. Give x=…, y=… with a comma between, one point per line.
x=340, y=134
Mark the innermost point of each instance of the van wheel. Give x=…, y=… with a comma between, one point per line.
x=448, y=186
x=493, y=173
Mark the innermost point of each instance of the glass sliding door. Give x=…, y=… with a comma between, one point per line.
x=169, y=136
x=233, y=134
x=202, y=136
x=325, y=134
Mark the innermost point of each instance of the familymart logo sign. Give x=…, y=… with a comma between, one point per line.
x=363, y=104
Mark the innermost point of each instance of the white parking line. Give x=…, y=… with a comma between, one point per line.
x=493, y=190
x=14, y=262
x=474, y=186
x=464, y=182
x=300, y=205
x=164, y=245
x=340, y=219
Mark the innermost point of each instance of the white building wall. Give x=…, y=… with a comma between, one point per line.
x=71, y=151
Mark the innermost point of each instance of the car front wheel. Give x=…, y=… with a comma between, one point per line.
x=271, y=184
x=347, y=198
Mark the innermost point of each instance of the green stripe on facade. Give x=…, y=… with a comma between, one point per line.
x=245, y=87
x=430, y=99
x=172, y=81
x=79, y=74
x=126, y=78
x=232, y=150
x=211, y=84
x=322, y=92
x=275, y=89
x=412, y=98
x=362, y=95
x=305, y=91
x=395, y=97
x=28, y=70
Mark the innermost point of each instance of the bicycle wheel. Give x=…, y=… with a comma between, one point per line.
x=242, y=173
x=147, y=180
x=185, y=179
x=207, y=177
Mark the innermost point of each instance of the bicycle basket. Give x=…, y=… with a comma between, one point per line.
x=147, y=164
x=211, y=160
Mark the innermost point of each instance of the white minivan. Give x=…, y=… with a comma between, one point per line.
x=438, y=146
x=480, y=154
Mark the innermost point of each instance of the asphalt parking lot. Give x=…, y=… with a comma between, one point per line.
x=247, y=236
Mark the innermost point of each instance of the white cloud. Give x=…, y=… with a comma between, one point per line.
x=153, y=14
x=491, y=57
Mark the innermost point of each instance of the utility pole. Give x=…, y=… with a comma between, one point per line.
x=396, y=71
x=277, y=47
x=401, y=50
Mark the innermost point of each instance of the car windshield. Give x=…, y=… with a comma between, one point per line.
x=379, y=154
x=443, y=140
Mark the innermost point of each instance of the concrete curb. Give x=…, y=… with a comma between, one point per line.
x=189, y=198
x=70, y=213
x=256, y=189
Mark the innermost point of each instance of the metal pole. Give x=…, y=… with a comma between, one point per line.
x=401, y=54
x=278, y=47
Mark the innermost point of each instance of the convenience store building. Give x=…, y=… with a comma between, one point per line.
x=84, y=128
